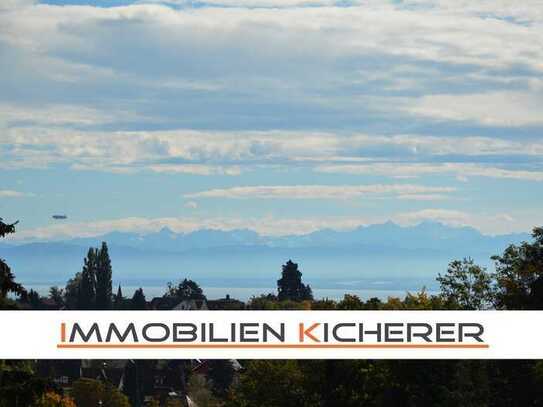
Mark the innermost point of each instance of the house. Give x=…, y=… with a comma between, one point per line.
x=173, y=303
x=191, y=305
x=104, y=370
x=225, y=303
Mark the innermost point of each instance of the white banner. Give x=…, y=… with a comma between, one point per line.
x=271, y=334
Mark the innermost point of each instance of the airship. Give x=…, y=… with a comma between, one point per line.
x=59, y=217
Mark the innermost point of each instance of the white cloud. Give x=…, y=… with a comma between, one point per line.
x=461, y=170
x=446, y=216
x=423, y=197
x=489, y=223
x=191, y=205
x=56, y=115
x=196, y=169
x=264, y=225
x=7, y=193
x=231, y=153
x=490, y=108
x=317, y=191
x=245, y=3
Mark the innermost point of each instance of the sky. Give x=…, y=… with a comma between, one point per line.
x=280, y=116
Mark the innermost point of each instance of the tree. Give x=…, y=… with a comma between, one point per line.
x=112, y=397
x=86, y=298
x=71, y=292
x=221, y=373
x=90, y=392
x=133, y=388
x=118, y=299
x=57, y=296
x=350, y=302
x=271, y=383
x=19, y=384
x=51, y=399
x=7, y=278
x=466, y=286
x=200, y=391
x=103, y=278
x=518, y=273
x=186, y=290
x=138, y=301
x=33, y=299
x=290, y=286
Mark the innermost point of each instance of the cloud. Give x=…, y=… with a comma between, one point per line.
x=317, y=191
x=447, y=216
x=461, y=170
x=247, y=3
x=6, y=193
x=196, y=169
x=489, y=109
x=266, y=225
x=486, y=222
x=57, y=115
x=231, y=153
x=191, y=205
x=259, y=64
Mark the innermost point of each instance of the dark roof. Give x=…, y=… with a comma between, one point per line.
x=164, y=303
x=225, y=304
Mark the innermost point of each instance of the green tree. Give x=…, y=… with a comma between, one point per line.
x=350, y=302
x=138, y=301
x=56, y=294
x=90, y=393
x=19, y=384
x=86, y=298
x=519, y=271
x=273, y=383
x=186, y=290
x=200, y=391
x=103, y=278
x=71, y=292
x=33, y=299
x=221, y=374
x=290, y=286
x=7, y=278
x=467, y=286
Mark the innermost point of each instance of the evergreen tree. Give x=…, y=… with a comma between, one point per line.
x=290, y=286
x=118, y=299
x=86, y=299
x=138, y=302
x=103, y=278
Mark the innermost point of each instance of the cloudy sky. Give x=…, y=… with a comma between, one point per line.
x=282, y=116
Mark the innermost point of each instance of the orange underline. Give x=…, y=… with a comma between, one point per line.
x=271, y=346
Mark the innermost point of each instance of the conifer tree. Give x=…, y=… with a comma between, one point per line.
x=86, y=299
x=103, y=278
x=138, y=301
x=118, y=299
x=290, y=286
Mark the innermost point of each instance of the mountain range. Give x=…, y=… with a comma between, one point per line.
x=386, y=254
